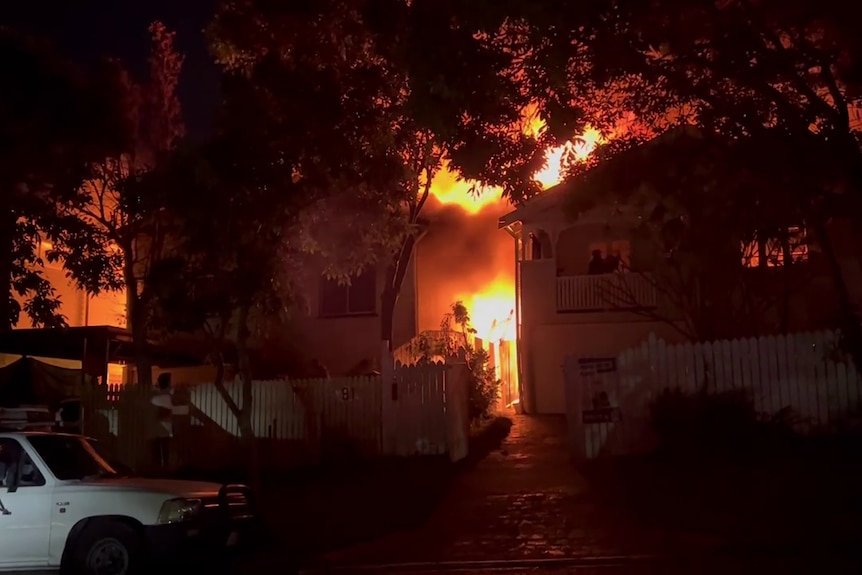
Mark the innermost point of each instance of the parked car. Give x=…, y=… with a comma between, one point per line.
x=63, y=506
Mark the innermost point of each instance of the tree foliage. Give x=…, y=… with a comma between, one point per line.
x=691, y=201
x=114, y=227
x=768, y=71
x=370, y=54
x=54, y=120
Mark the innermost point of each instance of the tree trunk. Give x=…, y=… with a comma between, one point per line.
x=394, y=281
x=848, y=317
x=7, y=239
x=244, y=416
x=136, y=315
x=388, y=300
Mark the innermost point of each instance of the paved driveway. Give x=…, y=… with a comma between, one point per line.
x=524, y=503
x=526, y=509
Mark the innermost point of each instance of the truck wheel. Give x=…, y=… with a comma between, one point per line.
x=108, y=548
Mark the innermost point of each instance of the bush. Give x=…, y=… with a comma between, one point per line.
x=483, y=385
x=453, y=339
x=708, y=423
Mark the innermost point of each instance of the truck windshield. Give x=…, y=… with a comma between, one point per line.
x=71, y=457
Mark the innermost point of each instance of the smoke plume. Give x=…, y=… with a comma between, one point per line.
x=462, y=254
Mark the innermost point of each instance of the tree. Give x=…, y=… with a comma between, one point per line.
x=119, y=229
x=368, y=51
x=693, y=199
x=734, y=67
x=54, y=120
x=236, y=256
x=227, y=272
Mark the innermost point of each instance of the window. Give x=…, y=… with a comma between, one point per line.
x=616, y=248
x=775, y=252
x=14, y=459
x=69, y=457
x=613, y=256
x=540, y=246
x=357, y=298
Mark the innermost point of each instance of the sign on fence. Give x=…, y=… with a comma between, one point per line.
x=598, y=376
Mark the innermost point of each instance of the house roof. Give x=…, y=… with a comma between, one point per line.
x=623, y=170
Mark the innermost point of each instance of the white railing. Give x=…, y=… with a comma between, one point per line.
x=606, y=292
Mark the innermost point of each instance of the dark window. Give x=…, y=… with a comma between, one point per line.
x=357, y=298
x=13, y=458
x=790, y=248
x=70, y=457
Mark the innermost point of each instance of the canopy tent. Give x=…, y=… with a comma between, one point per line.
x=94, y=346
x=32, y=382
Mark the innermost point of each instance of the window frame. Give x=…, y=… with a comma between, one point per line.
x=757, y=253
x=347, y=311
x=23, y=452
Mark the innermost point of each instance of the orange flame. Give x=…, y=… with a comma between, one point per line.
x=449, y=190
x=491, y=306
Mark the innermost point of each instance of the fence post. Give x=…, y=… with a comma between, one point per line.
x=388, y=399
x=457, y=408
x=573, y=394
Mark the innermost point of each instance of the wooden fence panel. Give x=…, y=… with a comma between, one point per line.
x=799, y=373
x=293, y=420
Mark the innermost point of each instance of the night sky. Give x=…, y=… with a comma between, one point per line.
x=87, y=29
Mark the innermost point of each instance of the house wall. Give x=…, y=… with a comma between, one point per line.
x=341, y=343
x=548, y=336
x=79, y=309
x=545, y=347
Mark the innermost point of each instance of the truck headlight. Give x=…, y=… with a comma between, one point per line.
x=179, y=510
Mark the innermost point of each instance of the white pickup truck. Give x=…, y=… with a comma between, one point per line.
x=64, y=508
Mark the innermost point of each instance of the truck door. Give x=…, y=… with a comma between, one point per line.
x=25, y=509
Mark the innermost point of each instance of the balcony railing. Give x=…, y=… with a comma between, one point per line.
x=606, y=292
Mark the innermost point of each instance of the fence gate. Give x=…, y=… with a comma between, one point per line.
x=457, y=409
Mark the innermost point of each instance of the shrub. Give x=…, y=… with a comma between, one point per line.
x=706, y=422
x=483, y=385
x=454, y=337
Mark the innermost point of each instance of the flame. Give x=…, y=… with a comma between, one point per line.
x=448, y=189
x=580, y=149
x=492, y=310
x=492, y=306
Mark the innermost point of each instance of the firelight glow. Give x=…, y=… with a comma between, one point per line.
x=492, y=305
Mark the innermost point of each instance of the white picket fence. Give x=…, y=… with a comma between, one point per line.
x=417, y=411
x=608, y=398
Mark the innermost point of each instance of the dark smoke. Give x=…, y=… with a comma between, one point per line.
x=462, y=253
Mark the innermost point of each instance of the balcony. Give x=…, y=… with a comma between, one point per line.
x=607, y=292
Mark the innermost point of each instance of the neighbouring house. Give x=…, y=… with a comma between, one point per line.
x=79, y=308
x=96, y=338
x=106, y=310
x=590, y=283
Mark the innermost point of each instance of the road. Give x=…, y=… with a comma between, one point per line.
x=526, y=509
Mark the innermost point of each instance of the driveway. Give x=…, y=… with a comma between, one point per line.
x=525, y=504
x=525, y=508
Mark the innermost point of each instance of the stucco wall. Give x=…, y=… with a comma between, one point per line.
x=103, y=309
x=340, y=343
x=546, y=347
